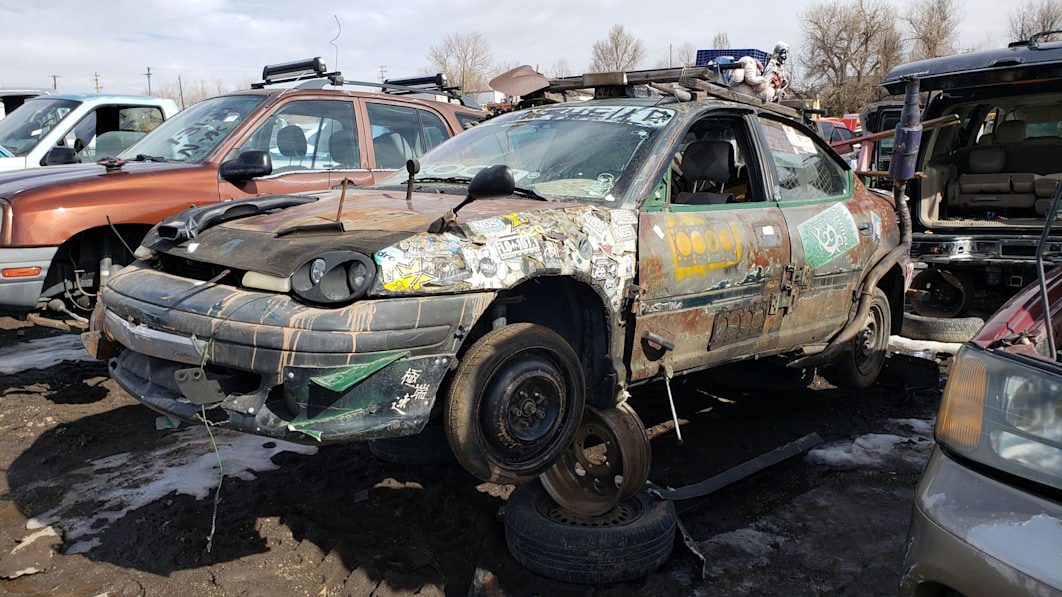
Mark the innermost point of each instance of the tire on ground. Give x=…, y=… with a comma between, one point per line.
x=633, y=540
x=427, y=447
x=859, y=366
x=941, y=329
x=515, y=403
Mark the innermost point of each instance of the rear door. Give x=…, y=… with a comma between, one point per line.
x=313, y=143
x=400, y=132
x=711, y=263
x=833, y=231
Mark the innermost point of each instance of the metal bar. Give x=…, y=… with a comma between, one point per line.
x=741, y=471
x=934, y=123
x=1052, y=348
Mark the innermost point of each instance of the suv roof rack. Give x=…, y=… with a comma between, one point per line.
x=312, y=73
x=698, y=81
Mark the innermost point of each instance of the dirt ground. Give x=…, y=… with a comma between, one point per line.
x=133, y=503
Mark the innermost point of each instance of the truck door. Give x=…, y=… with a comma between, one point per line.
x=712, y=251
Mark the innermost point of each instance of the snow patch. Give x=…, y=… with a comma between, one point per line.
x=922, y=427
x=922, y=348
x=42, y=353
x=873, y=450
x=749, y=540
x=183, y=463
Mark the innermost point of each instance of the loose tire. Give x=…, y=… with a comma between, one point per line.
x=515, y=403
x=949, y=293
x=427, y=447
x=859, y=367
x=941, y=329
x=629, y=542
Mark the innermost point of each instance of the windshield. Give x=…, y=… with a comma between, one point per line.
x=192, y=134
x=24, y=127
x=565, y=152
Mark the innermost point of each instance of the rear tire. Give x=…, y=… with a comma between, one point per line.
x=515, y=403
x=629, y=542
x=861, y=364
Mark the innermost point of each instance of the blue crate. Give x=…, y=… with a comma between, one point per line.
x=706, y=56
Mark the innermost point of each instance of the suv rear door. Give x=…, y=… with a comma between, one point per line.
x=400, y=132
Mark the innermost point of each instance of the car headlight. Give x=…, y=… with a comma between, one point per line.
x=334, y=277
x=1005, y=412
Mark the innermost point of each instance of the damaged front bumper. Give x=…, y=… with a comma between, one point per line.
x=266, y=364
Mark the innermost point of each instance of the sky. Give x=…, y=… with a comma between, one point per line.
x=230, y=40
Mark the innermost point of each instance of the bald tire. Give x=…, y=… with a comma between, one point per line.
x=474, y=412
x=619, y=546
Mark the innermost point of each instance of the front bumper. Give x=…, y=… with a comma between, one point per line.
x=23, y=293
x=978, y=536
x=268, y=365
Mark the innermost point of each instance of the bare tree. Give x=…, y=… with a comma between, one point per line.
x=465, y=59
x=559, y=69
x=933, y=28
x=720, y=40
x=849, y=46
x=619, y=51
x=683, y=54
x=1035, y=16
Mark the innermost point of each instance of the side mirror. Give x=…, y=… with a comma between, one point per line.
x=495, y=181
x=248, y=165
x=60, y=155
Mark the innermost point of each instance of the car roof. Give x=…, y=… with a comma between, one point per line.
x=1018, y=62
x=84, y=97
x=277, y=91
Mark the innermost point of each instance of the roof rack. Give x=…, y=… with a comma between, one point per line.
x=698, y=81
x=312, y=73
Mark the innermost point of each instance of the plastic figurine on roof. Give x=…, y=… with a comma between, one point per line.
x=776, y=75
x=749, y=78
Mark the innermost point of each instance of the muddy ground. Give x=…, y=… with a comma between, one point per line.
x=133, y=504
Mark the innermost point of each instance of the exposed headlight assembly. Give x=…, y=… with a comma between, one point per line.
x=1004, y=412
x=334, y=277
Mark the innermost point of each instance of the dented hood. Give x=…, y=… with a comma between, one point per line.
x=279, y=242
x=1019, y=325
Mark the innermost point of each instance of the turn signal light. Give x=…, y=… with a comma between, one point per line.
x=962, y=407
x=21, y=272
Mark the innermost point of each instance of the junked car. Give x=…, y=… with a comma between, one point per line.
x=11, y=98
x=64, y=231
x=989, y=180
x=514, y=284
x=987, y=518
x=49, y=130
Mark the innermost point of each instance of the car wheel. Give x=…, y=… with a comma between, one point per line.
x=427, y=447
x=860, y=365
x=630, y=541
x=947, y=293
x=941, y=329
x=607, y=462
x=515, y=403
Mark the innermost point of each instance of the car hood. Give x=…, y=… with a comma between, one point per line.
x=276, y=243
x=36, y=185
x=1018, y=326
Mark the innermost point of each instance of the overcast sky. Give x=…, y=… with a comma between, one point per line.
x=231, y=40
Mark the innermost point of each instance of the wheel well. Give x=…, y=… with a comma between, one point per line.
x=893, y=287
x=84, y=250
x=570, y=308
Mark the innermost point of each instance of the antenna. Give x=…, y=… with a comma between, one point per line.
x=335, y=65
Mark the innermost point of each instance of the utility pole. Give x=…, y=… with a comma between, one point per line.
x=180, y=90
x=148, y=75
x=383, y=72
x=96, y=81
x=55, y=82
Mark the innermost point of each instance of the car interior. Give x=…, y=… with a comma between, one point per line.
x=110, y=130
x=1002, y=163
x=711, y=168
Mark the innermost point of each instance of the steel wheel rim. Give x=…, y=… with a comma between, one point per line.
x=870, y=343
x=607, y=462
x=526, y=407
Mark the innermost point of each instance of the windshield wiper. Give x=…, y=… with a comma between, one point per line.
x=150, y=158
x=525, y=192
x=451, y=179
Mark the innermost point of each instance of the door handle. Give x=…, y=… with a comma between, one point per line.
x=659, y=340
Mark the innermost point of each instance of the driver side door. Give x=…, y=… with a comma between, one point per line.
x=313, y=144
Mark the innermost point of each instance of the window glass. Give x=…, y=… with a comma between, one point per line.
x=468, y=120
x=110, y=130
x=193, y=133
x=805, y=170
x=433, y=129
x=309, y=135
x=395, y=135
x=22, y=129
x=712, y=166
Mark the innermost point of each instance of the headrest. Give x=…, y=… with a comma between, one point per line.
x=708, y=160
x=987, y=160
x=341, y=147
x=1010, y=131
x=1042, y=140
x=986, y=139
x=291, y=141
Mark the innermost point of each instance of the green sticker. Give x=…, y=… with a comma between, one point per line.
x=828, y=235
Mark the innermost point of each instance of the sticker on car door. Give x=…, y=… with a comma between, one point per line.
x=828, y=235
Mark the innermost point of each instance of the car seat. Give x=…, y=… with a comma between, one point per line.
x=706, y=163
x=291, y=143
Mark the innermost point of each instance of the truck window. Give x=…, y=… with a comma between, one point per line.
x=309, y=135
